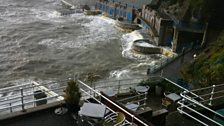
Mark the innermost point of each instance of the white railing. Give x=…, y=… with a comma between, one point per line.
x=124, y=85
x=198, y=109
x=22, y=96
x=111, y=102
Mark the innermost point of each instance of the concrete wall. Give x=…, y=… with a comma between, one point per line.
x=127, y=26
x=161, y=26
x=153, y=50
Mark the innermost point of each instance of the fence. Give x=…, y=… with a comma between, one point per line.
x=124, y=85
x=197, y=107
x=22, y=97
x=86, y=89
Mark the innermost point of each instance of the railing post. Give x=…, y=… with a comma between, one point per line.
x=94, y=87
x=182, y=106
x=10, y=104
x=21, y=91
x=132, y=118
x=145, y=99
x=33, y=92
x=212, y=93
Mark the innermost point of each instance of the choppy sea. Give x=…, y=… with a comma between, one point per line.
x=38, y=43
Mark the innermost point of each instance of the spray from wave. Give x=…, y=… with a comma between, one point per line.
x=141, y=62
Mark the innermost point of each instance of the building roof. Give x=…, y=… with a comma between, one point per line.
x=134, y=3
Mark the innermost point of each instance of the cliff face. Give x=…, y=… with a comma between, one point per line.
x=208, y=67
x=174, y=8
x=195, y=10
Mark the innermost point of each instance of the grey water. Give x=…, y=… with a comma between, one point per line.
x=38, y=43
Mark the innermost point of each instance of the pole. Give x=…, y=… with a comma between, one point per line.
x=212, y=93
x=21, y=91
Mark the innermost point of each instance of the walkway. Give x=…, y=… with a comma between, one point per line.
x=172, y=70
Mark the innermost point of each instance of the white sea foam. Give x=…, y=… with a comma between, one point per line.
x=97, y=29
x=144, y=44
x=144, y=61
x=48, y=15
x=127, y=41
x=118, y=74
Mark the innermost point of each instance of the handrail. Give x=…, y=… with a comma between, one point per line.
x=199, y=104
x=187, y=96
x=114, y=104
x=23, y=85
x=185, y=106
x=29, y=102
x=183, y=112
x=18, y=99
x=29, y=93
x=183, y=88
x=205, y=88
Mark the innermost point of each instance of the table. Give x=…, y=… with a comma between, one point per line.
x=110, y=92
x=132, y=106
x=93, y=110
x=141, y=89
x=173, y=97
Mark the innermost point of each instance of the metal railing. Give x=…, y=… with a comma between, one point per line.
x=20, y=98
x=198, y=108
x=139, y=99
x=99, y=95
x=122, y=86
x=86, y=89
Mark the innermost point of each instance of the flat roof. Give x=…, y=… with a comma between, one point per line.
x=45, y=117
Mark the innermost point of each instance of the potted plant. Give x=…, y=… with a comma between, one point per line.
x=72, y=96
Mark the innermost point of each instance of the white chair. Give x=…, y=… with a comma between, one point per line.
x=114, y=119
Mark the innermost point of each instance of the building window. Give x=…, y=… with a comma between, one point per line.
x=106, y=8
x=117, y=12
x=103, y=7
x=121, y=12
x=100, y=7
x=124, y=14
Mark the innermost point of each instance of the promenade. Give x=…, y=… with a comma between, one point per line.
x=172, y=70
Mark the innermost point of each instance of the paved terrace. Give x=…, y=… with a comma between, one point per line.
x=45, y=117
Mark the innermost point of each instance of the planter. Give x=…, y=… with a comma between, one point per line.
x=39, y=94
x=158, y=90
x=73, y=108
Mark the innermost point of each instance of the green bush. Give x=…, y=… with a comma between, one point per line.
x=72, y=93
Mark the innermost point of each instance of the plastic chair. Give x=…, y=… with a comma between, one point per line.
x=114, y=119
x=133, y=124
x=165, y=102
